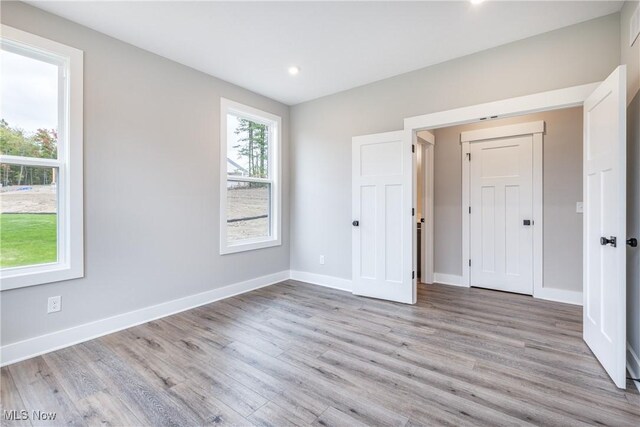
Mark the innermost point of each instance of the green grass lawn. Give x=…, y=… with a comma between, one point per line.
x=27, y=239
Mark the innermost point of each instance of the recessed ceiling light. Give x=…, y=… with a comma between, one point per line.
x=293, y=70
x=476, y=1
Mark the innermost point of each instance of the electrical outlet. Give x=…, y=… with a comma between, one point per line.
x=54, y=304
x=321, y=259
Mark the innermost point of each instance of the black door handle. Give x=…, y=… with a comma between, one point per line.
x=633, y=242
x=527, y=222
x=355, y=223
x=612, y=240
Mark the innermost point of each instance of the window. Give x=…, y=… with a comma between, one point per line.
x=40, y=160
x=249, y=178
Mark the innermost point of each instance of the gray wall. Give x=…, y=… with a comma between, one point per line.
x=151, y=135
x=562, y=175
x=631, y=57
x=321, y=130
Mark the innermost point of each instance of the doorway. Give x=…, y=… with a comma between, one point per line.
x=451, y=262
x=603, y=138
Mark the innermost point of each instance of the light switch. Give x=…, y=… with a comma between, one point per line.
x=579, y=207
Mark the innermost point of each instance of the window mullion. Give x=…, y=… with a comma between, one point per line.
x=30, y=161
x=248, y=179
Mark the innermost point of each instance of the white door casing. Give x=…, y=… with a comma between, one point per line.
x=604, y=312
x=428, y=228
x=382, y=174
x=424, y=147
x=503, y=165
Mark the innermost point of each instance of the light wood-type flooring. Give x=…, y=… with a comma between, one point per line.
x=298, y=354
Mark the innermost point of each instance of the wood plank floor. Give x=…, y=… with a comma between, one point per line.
x=297, y=354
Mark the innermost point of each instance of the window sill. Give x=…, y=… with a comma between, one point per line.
x=249, y=246
x=14, y=278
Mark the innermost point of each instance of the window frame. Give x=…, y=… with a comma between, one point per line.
x=69, y=161
x=274, y=161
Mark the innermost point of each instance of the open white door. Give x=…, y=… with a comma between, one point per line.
x=382, y=217
x=604, y=312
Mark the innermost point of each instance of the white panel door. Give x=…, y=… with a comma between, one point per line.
x=382, y=221
x=604, y=309
x=501, y=174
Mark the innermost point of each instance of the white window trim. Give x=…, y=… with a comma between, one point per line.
x=70, y=264
x=228, y=106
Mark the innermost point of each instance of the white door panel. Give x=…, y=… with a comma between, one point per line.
x=501, y=200
x=604, y=312
x=381, y=183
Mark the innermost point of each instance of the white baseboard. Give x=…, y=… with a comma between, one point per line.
x=448, y=279
x=322, y=280
x=633, y=364
x=15, y=352
x=559, y=295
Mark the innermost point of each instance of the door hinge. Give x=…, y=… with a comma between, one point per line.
x=469, y=263
x=413, y=148
x=469, y=209
x=413, y=274
x=413, y=211
x=469, y=156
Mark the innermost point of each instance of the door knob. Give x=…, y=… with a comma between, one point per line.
x=633, y=242
x=610, y=241
x=355, y=223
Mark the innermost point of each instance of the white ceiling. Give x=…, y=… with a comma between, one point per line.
x=337, y=45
